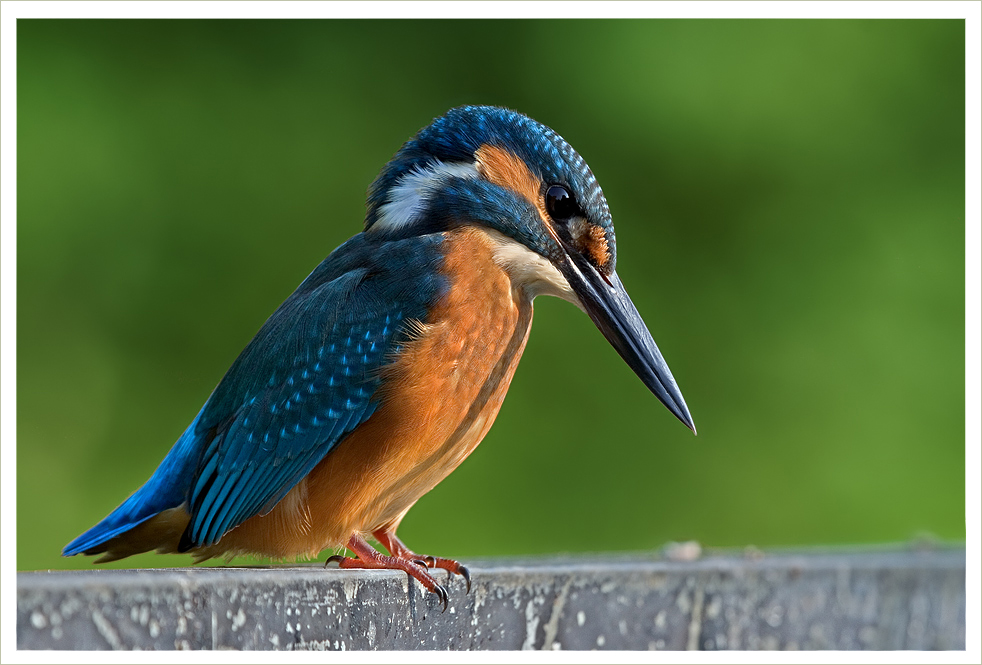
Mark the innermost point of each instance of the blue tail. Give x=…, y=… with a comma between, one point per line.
x=168, y=487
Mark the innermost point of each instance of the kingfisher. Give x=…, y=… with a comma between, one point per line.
x=386, y=367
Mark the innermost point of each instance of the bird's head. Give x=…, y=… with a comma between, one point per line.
x=517, y=178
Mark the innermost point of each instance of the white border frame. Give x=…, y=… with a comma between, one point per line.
x=10, y=11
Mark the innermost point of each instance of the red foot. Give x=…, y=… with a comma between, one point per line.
x=368, y=557
x=399, y=550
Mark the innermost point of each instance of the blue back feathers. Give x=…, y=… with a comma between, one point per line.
x=309, y=377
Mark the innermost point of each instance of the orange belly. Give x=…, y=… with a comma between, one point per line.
x=438, y=400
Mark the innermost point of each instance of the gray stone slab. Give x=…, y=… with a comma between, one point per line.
x=900, y=599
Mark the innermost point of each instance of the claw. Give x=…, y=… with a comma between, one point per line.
x=335, y=558
x=441, y=593
x=462, y=570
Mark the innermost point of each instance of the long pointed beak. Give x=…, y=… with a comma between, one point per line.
x=606, y=301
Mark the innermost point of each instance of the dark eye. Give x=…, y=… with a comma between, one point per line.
x=560, y=204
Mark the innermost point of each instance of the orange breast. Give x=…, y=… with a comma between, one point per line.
x=439, y=399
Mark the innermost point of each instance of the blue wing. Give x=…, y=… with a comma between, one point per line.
x=309, y=377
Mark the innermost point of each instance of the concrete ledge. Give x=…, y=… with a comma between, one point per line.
x=896, y=599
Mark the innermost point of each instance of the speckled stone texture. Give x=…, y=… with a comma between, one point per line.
x=898, y=599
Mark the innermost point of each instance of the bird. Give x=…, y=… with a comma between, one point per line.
x=388, y=364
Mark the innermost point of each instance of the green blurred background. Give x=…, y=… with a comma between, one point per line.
x=788, y=198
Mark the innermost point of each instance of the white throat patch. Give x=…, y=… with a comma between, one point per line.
x=530, y=271
x=409, y=197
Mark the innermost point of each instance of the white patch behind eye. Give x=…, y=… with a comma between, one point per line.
x=530, y=270
x=408, y=198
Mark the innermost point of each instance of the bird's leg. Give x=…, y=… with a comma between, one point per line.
x=369, y=557
x=387, y=536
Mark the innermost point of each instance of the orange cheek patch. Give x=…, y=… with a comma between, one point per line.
x=594, y=244
x=506, y=169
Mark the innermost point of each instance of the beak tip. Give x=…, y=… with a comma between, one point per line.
x=686, y=419
x=671, y=399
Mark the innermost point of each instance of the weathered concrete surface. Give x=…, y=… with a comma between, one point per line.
x=832, y=600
